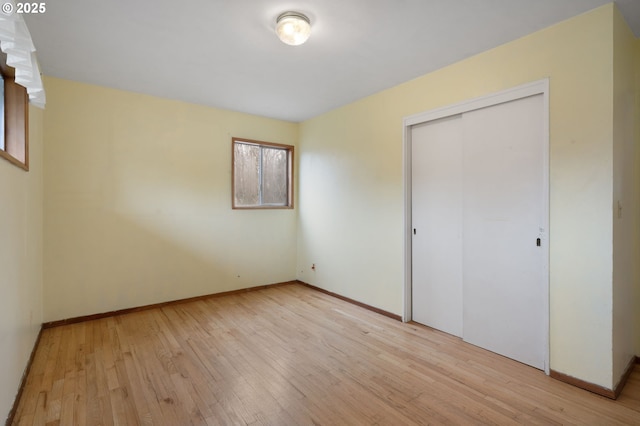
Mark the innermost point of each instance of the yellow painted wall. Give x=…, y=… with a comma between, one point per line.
x=626, y=196
x=138, y=202
x=637, y=180
x=351, y=205
x=20, y=263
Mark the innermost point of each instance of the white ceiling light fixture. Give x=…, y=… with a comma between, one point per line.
x=293, y=28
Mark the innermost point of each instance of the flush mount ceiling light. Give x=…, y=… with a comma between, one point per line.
x=293, y=28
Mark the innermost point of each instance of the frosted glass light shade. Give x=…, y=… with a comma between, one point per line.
x=293, y=28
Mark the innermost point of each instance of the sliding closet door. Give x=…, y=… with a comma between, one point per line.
x=502, y=220
x=437, y=224
x=477, y=214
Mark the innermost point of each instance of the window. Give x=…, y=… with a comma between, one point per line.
x=14, y=146
x=262, y=175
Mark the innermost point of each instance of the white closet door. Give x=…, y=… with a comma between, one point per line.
x=437, y=221
x=503, y=215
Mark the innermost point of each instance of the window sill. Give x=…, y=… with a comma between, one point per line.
x=14, y=160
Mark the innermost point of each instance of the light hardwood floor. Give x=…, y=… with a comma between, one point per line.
x=290, y=355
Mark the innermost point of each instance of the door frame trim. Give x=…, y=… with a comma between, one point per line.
x=540, y=87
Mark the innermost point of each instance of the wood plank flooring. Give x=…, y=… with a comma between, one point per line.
x=290, y=355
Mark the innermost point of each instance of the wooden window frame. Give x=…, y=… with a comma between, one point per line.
x=16, y=118
x=290, y=175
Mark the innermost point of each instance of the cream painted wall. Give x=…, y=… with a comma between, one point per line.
x=626, y=194
x=20, y=263
x=351, y=205
x=138, y=202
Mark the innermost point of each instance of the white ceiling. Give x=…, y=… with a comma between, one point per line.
x=224, y=53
